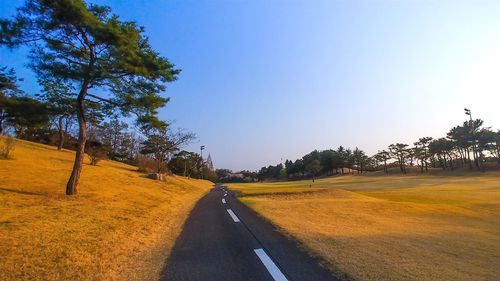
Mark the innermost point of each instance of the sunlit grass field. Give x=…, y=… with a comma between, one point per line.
x=121, y=226
x=391, y=227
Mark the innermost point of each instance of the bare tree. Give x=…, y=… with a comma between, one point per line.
x=163, y=143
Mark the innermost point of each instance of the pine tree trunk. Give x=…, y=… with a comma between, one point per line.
x=498, y=155
x=451, y=162
x=403, y=165
x=61, y=135
x=468, y=157
x=475, y=153
x=71, y=186
x=481, y=162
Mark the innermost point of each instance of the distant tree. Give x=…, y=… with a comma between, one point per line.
x=313, y=155
x=209, y=174
x=8, y=89
x=163, y=143
x=282, y=173
x=8, y=81
x=473, y=129
x=383, y=156
x=295, y=169
x=494, y=145
x=222, y=174
x=360, y=159
x=248, y=176
x=313, y=168
x=400, y=152
x=327, y=160
x=487, y=141
x=60, y=99
x=410, y=156
x=421, y=152
x=96, y=152
x=443, y=149
x=270, y=172
x=90, y=47
x=186, y=163
x=123, y=144
x=459, y=135
x=343, y=158
x=24, y=114
x=349, y=159
x=288, y=167
x=466, y=139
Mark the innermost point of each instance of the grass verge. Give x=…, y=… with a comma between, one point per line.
x=121, y=226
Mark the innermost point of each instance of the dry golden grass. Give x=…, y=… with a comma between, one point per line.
x=121, y=226
x=391, y=228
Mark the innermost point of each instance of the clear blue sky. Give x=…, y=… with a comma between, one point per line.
x=268, y=80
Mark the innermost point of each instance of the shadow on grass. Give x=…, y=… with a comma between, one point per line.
x=452, y=255
x=19, y=191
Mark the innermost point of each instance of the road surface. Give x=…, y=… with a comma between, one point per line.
x=224, y=240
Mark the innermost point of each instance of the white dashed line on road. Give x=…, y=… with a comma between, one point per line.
x=270, y=266
x=223, y=201
x=233, y=215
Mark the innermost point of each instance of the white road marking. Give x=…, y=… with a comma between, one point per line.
x=233, y=215
x=225, y=194
x=269, y=264
x=223, y=201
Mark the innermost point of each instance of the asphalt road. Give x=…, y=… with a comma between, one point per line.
x=224, y=240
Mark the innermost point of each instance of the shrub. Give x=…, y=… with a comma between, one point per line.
x=147, y=164
x=7, y=145
x=96, y=152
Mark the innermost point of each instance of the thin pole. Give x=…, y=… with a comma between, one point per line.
x=201, y=154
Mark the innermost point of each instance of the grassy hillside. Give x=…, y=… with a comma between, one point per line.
x=391, y=227
x=121, y=226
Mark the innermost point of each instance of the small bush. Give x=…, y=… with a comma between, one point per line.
x=96, y=152
x=7, y=145
x=148, y=165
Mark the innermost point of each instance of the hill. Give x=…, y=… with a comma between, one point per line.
x=391, y=227
x=121, y=225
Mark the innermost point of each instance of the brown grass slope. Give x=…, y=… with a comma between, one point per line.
x=391, y=227
x=121, y=226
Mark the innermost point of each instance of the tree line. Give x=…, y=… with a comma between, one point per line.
x=93, y=69
x=470, y=145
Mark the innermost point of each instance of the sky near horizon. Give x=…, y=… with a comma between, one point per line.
x=263, y=81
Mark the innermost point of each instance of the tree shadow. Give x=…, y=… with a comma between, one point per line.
x=19, y=191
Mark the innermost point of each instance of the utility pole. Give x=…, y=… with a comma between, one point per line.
x=201, y=154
